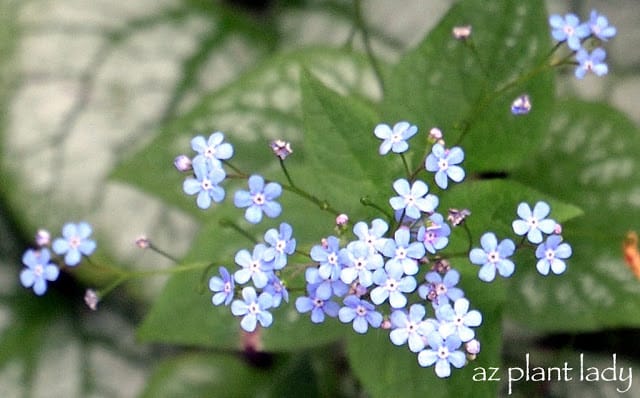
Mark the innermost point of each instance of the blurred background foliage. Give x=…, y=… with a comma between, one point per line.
x=97, y=97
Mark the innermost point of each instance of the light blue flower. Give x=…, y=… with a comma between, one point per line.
x=394, y=140
x=440, y=290
x=402, y=253
x=591, y=62
x=493, y=256
x=213, y=150
x=222, y=286
x=205, y=183
x=551, y=255
x=443, y=353
x=458, y=320
x=374, y=236
x=391, y=285
x=74, y=243
x=533, y=223
x=253, y=309
x=361, y=312
x=435, y=235
x=317, y=306
x=39, y=270
x=260, y=198
x=276, y=288
x=600, y=27
x=413, y=199
x=325, y=288
x=570, y=29
x=282, y=245
x=254, y=266
x=359, y=263
x=328, y=256
x=444, y=162
x=410, y=327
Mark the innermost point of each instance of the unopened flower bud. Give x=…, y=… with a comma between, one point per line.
x=43, y=238
x=386, y=324
x=143, y=242
x=472, y=347
x=281, y=148
x=557, y=229
x=462, y=32
x=342, y=219
x=91, y=299
x=182, y=163
x=521, y=105
x=441, y=266
x=436, y=136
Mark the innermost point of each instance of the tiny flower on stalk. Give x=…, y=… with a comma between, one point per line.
x=205, y=183
x=410, y=328
x=551, y=255
x=413, y=199
x=533, y=223
x=253, y=309
x=591, y=62
x=394, y=140
x=213, y=150
x=570, y=29
x=281, y=149
x=74, y=243
x=317, y=306
x=600, y=27
x=493, y=256
x=444, y=162
x=260, y=198
x=39, y=270
x=222, y=287
x=443, y=353
x=361, y=312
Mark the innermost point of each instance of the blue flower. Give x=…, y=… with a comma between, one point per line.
x=521, y=105
x=413, y=199
x=402, y=253
x=440, y=289
x=325, y=288
x=317, y=306
x=435, y=235
x=282, y=245
x=205, y=184
x=570, y=29
x=458, y=320
x=410, y=327
x=395, y=140
x=253, y=309
x=593, y=62
x=443, y=353
x=391, y=285
x=361, y=312
x=254, y=266
x=600, y=27
x=222, y=286
x=212, y=150
x=552, y=254
x=74, y=243
x=444, y=163
x=328, y=256
x=533, y=223
x=359, y=262
x=374, y=236
x=260, y=198
x=275, y=287
x=39, y=270
x=493, y=256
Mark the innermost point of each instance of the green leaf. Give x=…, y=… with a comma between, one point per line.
x=466, y=87
x=341, y=148
x=590, y=158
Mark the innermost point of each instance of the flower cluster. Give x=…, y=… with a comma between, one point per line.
x=41, y=268
x=262, y=267
x=575, y=33
x=208, y=173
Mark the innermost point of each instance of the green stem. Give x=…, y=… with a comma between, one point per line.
x=359, y=20
x=225, y=222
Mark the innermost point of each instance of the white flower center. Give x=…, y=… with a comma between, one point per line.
x=259, y=199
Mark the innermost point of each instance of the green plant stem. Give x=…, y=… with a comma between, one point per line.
x=359, y=21
x=225, y=222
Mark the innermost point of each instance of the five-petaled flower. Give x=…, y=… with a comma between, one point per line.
x=493, y=256
x=222, y=286
x=458, y=320
x=570, y=29
x=253, y=309
x=591, y=62
x=410, y=327
x=258, y=199
x=413, y=199
x=213, y=150
x=74, y=243
x=282, y=245
x=440, y=289
x=444, y=162
x=600, y=28
x=392, y=284
x=402, y=253
x=205, y=183
x=39, y=270
x=533, y=223
x=317, y=306
x=254, y=267
x=435, y=235
x=361, y=312
x=443, y=353
x=551, y=255
x=394, y=140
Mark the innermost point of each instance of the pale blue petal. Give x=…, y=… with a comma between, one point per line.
x=253, y=214
x=427, y=358
x=248, y=323
x=487, y=272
